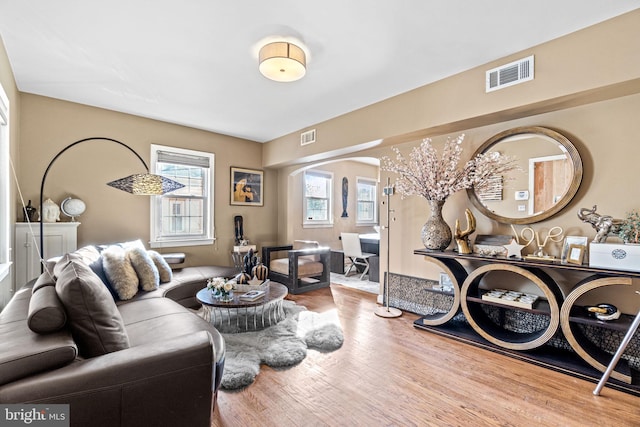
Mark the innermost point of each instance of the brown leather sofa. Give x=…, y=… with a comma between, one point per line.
x=145, y=361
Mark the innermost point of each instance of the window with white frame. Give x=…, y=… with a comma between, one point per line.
x=5, y=217
x=366, y=201
x=183, y=217
x=317, y=197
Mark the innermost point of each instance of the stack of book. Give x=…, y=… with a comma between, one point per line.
x=252, y=295
x=512, y=298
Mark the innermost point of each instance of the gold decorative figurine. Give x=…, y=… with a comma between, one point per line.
x=462, y=237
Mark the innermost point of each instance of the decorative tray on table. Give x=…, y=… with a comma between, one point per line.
x=253, y=285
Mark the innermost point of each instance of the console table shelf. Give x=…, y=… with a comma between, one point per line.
x=621, y=325
x=542, y=306
x=492, y=323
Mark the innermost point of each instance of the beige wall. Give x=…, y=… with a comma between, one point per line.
x=586, y=86
x=327, y=236
x=599, y=62
x=8, y=83
x=48, y=125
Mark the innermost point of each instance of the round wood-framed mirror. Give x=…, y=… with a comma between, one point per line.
x=550, y=175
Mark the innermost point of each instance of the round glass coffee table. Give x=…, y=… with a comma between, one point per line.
x=239, y=315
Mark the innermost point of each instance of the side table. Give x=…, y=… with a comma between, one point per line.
x=241, y=316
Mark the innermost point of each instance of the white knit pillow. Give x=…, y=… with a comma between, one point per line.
x=120, y=272
x=145, y=268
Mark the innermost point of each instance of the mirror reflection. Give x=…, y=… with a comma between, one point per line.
x=551, y=171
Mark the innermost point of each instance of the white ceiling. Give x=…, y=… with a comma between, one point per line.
x=194, y=62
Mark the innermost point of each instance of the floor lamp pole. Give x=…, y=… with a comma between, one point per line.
x=387, y=311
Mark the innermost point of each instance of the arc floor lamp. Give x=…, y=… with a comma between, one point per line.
x=143, y=184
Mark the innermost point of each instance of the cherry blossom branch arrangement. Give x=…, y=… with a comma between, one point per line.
x=426, y=174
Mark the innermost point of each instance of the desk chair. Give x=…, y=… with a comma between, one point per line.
x=352, y=250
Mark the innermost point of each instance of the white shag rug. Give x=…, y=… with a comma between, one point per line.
x=279, y=346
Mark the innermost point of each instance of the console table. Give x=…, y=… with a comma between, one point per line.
x=560, y=311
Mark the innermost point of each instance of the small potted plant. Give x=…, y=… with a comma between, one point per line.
x=630, y=228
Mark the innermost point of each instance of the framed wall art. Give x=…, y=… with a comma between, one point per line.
x=247, y=187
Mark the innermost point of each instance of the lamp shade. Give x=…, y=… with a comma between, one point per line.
x=282, y=62
x=146, y=184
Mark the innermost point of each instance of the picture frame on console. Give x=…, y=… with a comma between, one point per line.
x=576, y=254
x=572, y=240
x=247, y=187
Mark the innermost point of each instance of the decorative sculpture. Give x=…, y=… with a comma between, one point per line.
x=345, y=193
x=603, y=224
x=237, y=222
x=462, y=237
x=30, y=213
x=248, y=262
x=49, y=211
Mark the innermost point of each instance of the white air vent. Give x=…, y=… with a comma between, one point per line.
x=510, y=74
x=308, y=137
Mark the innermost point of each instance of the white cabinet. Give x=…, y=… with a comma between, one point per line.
x=59, y=238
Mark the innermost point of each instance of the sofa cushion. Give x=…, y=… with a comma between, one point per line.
x=120, y=273
x=306, y=267
x=29, y=353
x=160, y=319
x=46, y=312
x=145, y=268
x=162, y=265
x=86, y=254
x=93, y=317
x=17, y=307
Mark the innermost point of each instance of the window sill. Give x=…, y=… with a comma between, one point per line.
x=4, y=270
x=317, y=225
x=180, y=243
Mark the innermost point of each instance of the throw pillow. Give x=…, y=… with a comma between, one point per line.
x=94, y=320
x=132, y=244
x=120, y=272
x=46, y=312
x=145, y=268
x=163, y=267
x=97, y=267
x=86, y=254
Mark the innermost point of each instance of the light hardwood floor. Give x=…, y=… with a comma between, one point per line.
x=389, y=373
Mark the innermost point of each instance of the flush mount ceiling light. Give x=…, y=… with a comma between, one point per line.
x=282, y=62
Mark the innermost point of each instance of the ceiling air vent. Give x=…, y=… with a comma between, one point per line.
x=308, y=137
x=510, y=74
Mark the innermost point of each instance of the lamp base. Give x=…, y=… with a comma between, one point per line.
x=388, y=312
